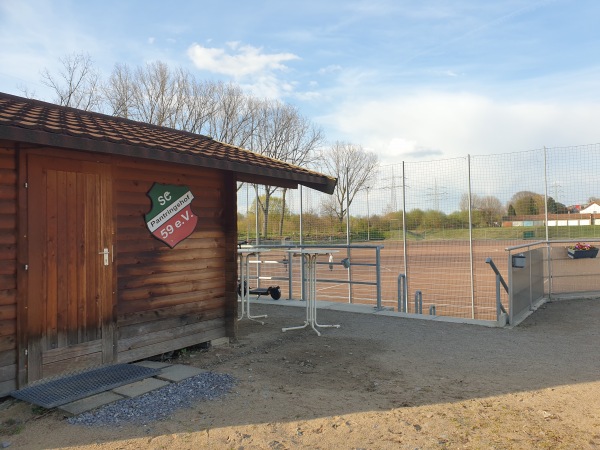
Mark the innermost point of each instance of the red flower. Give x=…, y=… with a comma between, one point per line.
x=580, y=246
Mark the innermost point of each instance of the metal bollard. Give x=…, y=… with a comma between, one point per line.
x=418, y=302
x=402, y=300
x=432, y=310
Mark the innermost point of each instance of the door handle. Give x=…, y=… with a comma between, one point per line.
x=105, y=252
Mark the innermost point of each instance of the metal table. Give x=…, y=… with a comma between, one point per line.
x=244, y=254
x=310, y=257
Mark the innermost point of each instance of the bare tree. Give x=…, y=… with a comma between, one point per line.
x=486, y=210
x=77, y=83
x=158, y=95
x=281, y=132
x=196, y=104
x=354, y=168
x=230, y=115
x=27, y=92
x=154, y=93
x=118, y=91
x=594, y=200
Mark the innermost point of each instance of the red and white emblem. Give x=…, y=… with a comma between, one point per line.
x=171, y=219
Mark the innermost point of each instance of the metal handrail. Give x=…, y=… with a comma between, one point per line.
x=550, y=241
x=499, y=281
x=498, y=274
x=377, y=265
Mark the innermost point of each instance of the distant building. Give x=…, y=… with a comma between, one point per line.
x=592, y=208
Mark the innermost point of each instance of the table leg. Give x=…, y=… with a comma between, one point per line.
x=245, y=291
x=311, y=301
x=242, y=288
x=314, y=298
x=307, y=321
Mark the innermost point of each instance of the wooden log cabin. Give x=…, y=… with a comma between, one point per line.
x=84, y=279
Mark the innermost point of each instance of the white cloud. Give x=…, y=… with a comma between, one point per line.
x=254, y=70
x=241, y=61
x=330, y=69
x=308, y=96
x=434, y=125
x=268, y=86
x=409, y=149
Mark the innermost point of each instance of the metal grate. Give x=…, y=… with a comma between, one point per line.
x=60, y=391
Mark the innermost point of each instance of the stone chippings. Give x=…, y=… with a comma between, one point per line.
x=158, y=404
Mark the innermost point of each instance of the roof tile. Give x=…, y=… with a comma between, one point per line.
x=30, y=114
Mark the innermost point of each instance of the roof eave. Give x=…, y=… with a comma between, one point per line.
x=276, y=177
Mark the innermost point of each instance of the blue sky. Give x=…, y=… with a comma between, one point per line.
x=409, y=80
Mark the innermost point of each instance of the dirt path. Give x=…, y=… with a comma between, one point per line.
x=375, y=383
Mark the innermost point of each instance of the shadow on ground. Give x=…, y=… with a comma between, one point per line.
x=371, y=363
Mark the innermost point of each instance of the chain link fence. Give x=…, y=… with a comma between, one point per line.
x=438, y=221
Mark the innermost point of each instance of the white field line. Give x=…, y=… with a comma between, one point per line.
x=329, y=287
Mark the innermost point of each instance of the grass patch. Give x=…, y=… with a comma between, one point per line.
x=10, y=427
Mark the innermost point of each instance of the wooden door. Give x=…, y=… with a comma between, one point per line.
x=70, y=318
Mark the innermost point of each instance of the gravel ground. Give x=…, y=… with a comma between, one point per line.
x=159, y=404
x=378, y=382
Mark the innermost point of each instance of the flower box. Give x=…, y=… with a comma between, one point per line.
x=577, y=254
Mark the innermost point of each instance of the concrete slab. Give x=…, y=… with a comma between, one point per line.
x=220, y=342
x=483, y=323
x=89, y=403
x=347, y=307
x=368, y=309
x=152, y=364
x=140, y=387
x=178, y=372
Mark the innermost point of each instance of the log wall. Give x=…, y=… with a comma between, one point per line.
x=8, y=268
x=166, y=299
x=171, y=298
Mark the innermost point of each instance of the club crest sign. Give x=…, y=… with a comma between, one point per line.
x=171, y=219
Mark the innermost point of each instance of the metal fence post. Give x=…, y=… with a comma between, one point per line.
x=350, y=291
x=348, y=233
x=471, y=239
x=378, y=274
x=290, y=275
x=256, y=216
x=404, y=245
x=498, y=302
x=302, y=277
x=301, y=244
x=510, y=288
